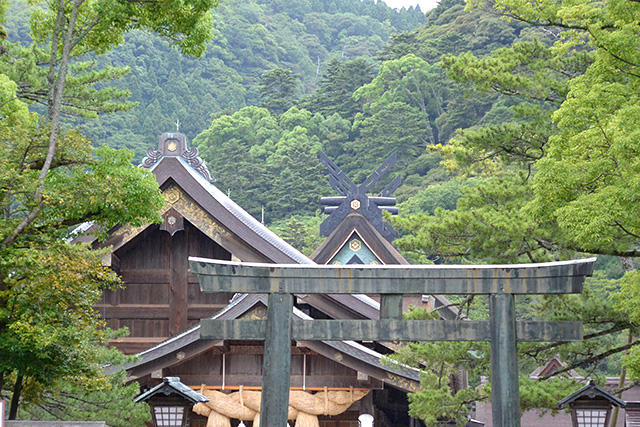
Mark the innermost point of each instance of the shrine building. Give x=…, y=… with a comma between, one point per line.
x=218, y=382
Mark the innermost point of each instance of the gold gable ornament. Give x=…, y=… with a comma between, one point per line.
x=172, y=195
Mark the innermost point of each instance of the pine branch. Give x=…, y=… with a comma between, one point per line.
x=591, y=359
x=617, y=328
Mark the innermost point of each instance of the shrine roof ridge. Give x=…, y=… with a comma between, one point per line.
x=240, y=214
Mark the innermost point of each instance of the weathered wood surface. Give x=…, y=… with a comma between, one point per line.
x=391, y=307
x=161, y=298
x=390, y=330
x=178, y=248
x=499, y=281
x=547, y=278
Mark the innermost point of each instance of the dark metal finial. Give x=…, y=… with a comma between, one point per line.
x=354, y=197
x=175, y=145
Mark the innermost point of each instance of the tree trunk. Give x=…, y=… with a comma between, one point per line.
x=627, y=265
x=15, y=399
x=56, y=94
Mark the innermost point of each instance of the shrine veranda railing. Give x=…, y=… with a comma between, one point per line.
x=500, y=282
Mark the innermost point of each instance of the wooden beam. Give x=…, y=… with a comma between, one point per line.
x=259, y=388
x=150, y=276
x=200, y=311
x=153, y=311
x=390, y=330
x=253, y=381
x=178, y=252
x=547, y=278
x=134, y=311
x=134, y=345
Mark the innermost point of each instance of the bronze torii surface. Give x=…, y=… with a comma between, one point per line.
x=500, y=282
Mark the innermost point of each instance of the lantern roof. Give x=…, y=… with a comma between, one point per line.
x=172, y=385
x=591, y=392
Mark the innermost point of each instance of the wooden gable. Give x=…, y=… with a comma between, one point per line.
x=356, y=226
x=355, y=238
x=552, y=366
x=161, y=298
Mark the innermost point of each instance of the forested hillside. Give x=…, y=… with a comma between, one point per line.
x=366, y=80
x=359, y=112
x=249, y=38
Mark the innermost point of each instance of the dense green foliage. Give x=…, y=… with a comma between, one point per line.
x=52, y=180
x=50, y=336
x=555, y=176
x=270, y=162
x=249, y=39
x=84, y=401
x=360, y=117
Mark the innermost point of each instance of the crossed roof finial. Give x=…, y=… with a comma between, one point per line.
x=354, y=197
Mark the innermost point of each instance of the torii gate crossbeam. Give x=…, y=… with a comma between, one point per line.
x=501, y=282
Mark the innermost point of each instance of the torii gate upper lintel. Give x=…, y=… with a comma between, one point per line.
x=500, y=282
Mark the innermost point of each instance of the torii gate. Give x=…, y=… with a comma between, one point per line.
x=500, y=282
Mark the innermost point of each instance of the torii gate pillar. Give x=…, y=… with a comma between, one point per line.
x=274, y=404
x=505, y=393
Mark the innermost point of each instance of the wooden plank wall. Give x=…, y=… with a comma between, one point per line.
x=243, y=366
x=160, y=299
